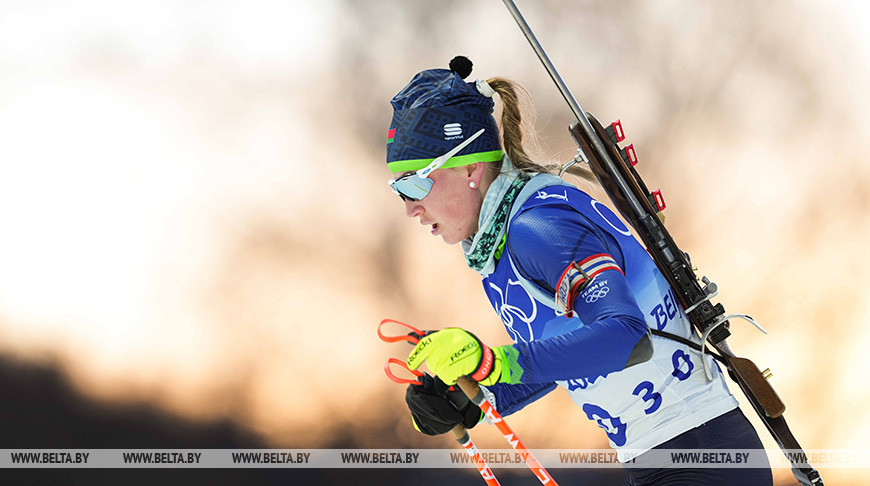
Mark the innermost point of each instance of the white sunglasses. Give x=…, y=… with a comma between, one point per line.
x=416, y=185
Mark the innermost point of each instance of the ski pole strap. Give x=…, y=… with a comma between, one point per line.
x=412, y=337
x=396, y=379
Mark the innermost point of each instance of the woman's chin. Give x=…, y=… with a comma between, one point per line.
x=449, y=239
x=450, y=235
x=452, y=239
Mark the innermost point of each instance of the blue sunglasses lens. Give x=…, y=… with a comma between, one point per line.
x=412, y=188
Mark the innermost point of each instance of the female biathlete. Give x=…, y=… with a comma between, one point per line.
x=575, y=290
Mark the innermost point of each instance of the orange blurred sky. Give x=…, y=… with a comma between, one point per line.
x=195, y=213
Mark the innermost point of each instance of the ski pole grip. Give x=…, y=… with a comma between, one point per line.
x=471, y=389
x=460, y=433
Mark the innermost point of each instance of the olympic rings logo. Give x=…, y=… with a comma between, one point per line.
x=509, y=313
x=597, y=294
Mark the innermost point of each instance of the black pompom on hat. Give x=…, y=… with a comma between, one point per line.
x=461, y=65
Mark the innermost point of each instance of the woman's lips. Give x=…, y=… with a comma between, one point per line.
x=434, y=229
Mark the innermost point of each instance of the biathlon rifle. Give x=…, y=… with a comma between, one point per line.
x=614, y=167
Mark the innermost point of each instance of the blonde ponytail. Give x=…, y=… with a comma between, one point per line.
x=516, y=101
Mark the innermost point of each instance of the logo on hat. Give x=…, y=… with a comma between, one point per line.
x=452, y=131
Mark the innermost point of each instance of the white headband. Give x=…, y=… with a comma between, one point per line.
x=484, y=88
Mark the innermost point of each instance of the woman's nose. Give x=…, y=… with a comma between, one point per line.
x=413, y=208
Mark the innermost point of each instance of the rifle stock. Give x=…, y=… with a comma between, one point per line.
x=677, y=270
x=745, y=373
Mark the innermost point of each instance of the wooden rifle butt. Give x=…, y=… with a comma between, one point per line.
x=745, y=372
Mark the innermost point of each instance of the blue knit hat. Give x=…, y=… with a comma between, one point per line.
x=434, y=113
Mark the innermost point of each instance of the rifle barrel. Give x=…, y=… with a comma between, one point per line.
x=597, y=144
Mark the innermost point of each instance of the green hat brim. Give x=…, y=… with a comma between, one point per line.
x=458, y=161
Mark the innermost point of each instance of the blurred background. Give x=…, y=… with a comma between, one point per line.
x=198, y=241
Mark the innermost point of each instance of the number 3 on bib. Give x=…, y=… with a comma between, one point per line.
x=644, y=390
x=613, y=426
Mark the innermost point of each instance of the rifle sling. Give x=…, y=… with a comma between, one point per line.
x=687, y=342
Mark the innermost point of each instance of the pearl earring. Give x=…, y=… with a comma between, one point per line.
x=472, y=184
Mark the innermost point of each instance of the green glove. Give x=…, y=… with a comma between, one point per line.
x=453, y=352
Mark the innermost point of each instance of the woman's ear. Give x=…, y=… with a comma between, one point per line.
x=475, y=171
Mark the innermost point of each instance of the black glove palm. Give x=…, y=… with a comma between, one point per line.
x=436, y=410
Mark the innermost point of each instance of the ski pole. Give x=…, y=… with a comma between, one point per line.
x=460, y=433
x=474, y=393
